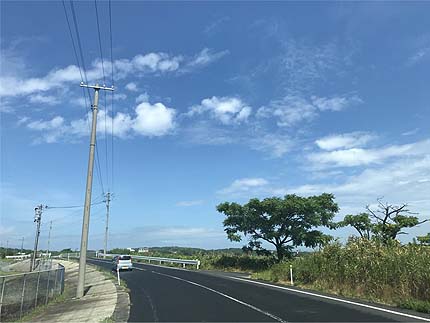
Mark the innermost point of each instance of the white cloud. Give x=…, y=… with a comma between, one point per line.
x=359, y=156
x=274, y=145
x=347, y=140
x=406, y=180
x=144, y=97
x=289, y=110
x=337, y=103
x=244, y=185
x=131, y=87
x=55, y=123
x=44, y=99
x=206, y=57
x=293, y=109
x=419, y=56
x=120, y=96
x=154, y=62
x=411, y=132
x=153, y=120
x=228, y=110
x=151, y=63
x=189, y=203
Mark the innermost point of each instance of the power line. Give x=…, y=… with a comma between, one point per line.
x=113, y=92
x=71, y=206
x=77, y=62
x=88, y=91
x=104, y=82
x=72, y=6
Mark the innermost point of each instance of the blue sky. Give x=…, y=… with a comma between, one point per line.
x=214, y=102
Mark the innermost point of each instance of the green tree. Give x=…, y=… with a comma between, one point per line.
x=424, y=240
x=283, y=222
x=389, y=220
x=361, y=222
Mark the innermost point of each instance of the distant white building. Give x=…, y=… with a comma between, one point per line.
x=143, y=250
x=131, y=249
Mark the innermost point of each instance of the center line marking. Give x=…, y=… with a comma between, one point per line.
x=276, y=318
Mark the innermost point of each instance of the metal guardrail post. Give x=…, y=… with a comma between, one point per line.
x=37, y=289
x=47, y=289
x=2, y=292
x=22, y=296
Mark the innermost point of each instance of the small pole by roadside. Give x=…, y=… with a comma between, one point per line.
x=117, y=274
x=291, y=275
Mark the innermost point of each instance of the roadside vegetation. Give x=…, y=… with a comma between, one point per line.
x=373, y=265
x=390, y=273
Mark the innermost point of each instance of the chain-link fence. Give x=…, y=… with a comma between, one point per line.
x=20, y=293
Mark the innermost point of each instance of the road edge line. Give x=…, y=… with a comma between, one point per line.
x=333, y=299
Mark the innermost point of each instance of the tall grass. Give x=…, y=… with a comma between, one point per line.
x=392, y=273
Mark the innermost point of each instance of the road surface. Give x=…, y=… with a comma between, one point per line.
x=166, y=294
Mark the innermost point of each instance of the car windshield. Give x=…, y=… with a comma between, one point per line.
x=125, y=258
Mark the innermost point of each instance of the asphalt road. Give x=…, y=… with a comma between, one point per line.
x=166, y=294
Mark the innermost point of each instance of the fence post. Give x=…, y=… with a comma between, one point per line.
x=2, y=292
x=62, y=280
x=37, y=289
x=55, y=284
x=47, y=288
x=22, y=296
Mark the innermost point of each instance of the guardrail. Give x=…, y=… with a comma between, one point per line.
x=160, y=260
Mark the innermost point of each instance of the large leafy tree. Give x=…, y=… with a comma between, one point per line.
x=385, y=222
x=283, y=222
x=360, y=222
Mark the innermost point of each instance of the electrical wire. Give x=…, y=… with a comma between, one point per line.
x=104, y=83
x=71, y=206
x=78, y=64
x=88, y=90
x=112, y=93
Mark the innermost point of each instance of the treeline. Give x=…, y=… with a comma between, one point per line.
x=175, y=251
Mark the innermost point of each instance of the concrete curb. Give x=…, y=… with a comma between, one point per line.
x=122, y=307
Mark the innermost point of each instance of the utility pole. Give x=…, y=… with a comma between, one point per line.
x=49, y=239
x=38, y=219
x=87, y=205
x=22, y=244
x=107, y=224
x=7, y=247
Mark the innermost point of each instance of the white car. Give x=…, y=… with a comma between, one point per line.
x=122, y=262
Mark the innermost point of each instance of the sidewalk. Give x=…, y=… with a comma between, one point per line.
x=103, y=300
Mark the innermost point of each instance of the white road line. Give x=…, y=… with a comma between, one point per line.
x=106, y=261
x=334, y=299
x=226, y=296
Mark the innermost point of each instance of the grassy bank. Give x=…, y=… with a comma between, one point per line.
x=394, y=274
